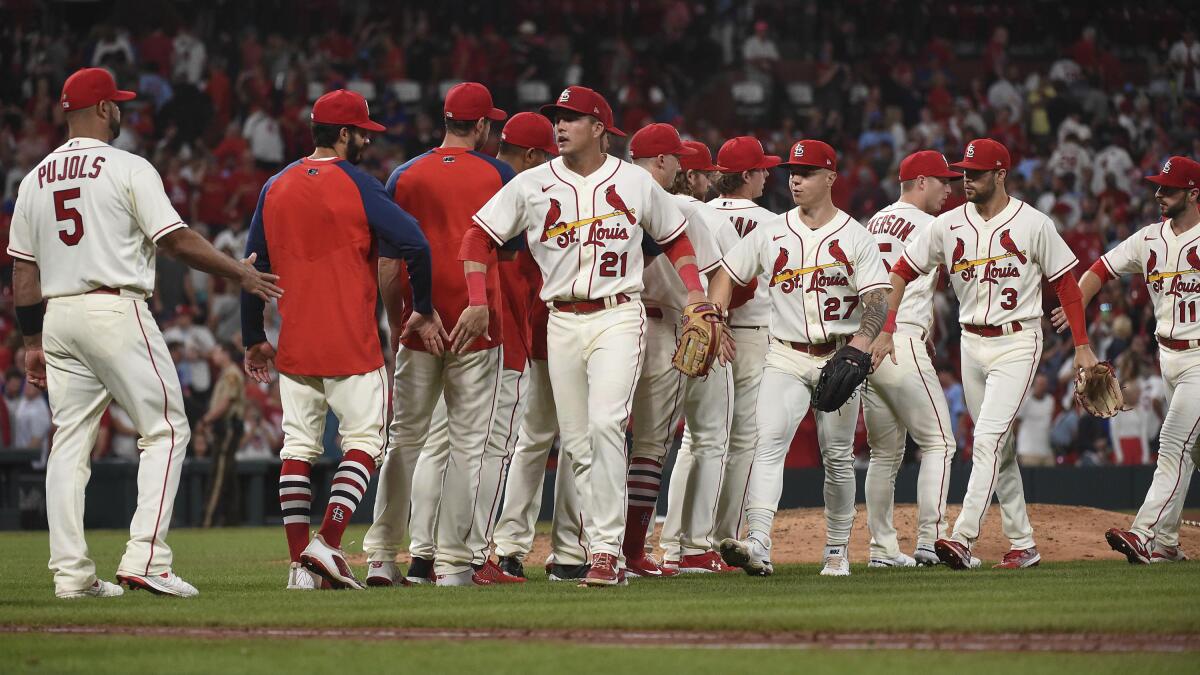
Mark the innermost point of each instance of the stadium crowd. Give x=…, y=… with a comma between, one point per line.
x=225, y=90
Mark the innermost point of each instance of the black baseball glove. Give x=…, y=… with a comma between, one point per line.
x=840, y=377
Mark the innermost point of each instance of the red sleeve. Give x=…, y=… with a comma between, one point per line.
x=678, y=248
x=1101, y=271
x=477, y=246
x=1067, y=290
x=742, y=294
x=902, y=270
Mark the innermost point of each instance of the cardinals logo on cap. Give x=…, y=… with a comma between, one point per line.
x=565, y=96
x=971, y=150
x=799, y=151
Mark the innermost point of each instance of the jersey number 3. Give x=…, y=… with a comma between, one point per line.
x=62, y=213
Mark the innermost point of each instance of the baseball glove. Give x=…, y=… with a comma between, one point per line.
x=700, y=340
x=840, y=377
x=1098, y=392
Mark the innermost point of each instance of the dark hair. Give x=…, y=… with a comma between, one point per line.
x=326, y=135
x=728, y=183
x=460, y=127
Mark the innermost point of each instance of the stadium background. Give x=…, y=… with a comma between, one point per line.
x=1088, y=98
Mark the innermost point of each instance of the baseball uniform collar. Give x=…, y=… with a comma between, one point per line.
x=805, y=232
x=83, y=142
x=1004, y=216
x=606, y=170
x=732, y=203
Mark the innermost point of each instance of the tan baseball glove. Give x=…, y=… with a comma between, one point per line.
x=1098, y=392
x=700, y=340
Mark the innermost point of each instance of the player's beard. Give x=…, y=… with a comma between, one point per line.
x=354, y=149
x=114, y=126
x=983, y=193
x=1175, y=210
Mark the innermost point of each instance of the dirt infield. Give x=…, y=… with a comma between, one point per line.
x=1063, y=533
x=963, y=642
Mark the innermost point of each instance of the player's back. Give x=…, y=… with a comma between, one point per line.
x=88, y=215
x=320, y=244
x=746, y=215
x=894, y=227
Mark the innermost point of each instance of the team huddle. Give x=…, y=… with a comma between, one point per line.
x=540, y=295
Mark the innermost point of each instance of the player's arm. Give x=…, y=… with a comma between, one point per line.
x=871, y=281
x=30, y=310
x=920, y=257
x=1057, y=259
x=1125, y=258
x=396, y=294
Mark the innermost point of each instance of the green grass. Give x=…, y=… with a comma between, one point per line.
x=63, y=654
x=241, y=575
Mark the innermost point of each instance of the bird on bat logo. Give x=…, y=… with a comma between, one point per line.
x=1193, y=258
x=839, y=255
x=960, y=248
x=780, y=264
x=1010, y=246
x=551, y=218
x=614, y=200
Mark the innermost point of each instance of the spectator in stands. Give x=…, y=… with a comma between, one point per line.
x=31, y=426
x=759, y=50
x=224, y=426
x=1184, y=60
x=189, y=55
x=1034, y=420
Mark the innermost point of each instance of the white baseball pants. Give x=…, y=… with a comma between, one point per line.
x=747, y=371
x=790, y=377
x=996, y=373
x=100, y=348
x=510, y=407
x=906, y=397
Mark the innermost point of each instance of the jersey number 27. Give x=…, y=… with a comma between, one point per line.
x=63, y=213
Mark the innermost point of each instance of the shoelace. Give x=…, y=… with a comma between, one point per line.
x=834, y=561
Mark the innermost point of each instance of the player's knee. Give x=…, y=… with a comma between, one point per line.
x=301, y=452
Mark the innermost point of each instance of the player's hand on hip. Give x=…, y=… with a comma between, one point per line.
x=472, y=323
x=429, y=328
x=728, y=346
x=259, y=359
x=258, y=283
x=882, y=346
x=1059, y=318
x=35, y=366
x=1085, y=357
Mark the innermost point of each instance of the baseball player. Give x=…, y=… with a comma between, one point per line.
x=827, y=287
x=85, y=225
x=997, y=249
x=662, y=392
x=903, y=394
x=743, y=175
x=443, y=188
x=317, y=220
x=583, y=215
x=1168, y=254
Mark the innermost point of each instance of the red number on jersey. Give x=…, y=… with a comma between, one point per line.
x=609, y=262
x=744, y=226
x=886, y=248
x=1187, y=312
x=832, y=305
x=62, y=213
x=1010, y=298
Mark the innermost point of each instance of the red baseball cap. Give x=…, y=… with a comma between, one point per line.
x=813, y=153
x=344, y=108
x=657, y=139
x=1178, y=172
x=584, y=101
x=744, y=153
x=530, y=130
x=984, y=154
x=701, y=160
x=471, y=101
x=85, y=88
x=927, y=163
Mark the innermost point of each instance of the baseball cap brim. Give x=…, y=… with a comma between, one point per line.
x=370, y=126
x=497, y=115
x=1164, y=181
x=805, y=162
x=945, y=173
x=708, y=167
x=551, y=108
x=973, y=165
x=768, y=162
x=123, y=95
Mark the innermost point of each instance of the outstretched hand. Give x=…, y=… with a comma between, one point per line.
x=258, y=283
x=259, y=359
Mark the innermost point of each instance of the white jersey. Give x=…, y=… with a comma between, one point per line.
x=1171, y=265
x=88, y=215
x=996, y=266
x=814, y=277
x=663, y=287
x=746, y=216
x=893, y=228
x=585, y=233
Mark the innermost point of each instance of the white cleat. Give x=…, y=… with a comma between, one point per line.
x=98, y=589
x=900, y=560
x=456, y=579
x=384, y=573
x=926, y=556
x=749, y=554
x=330, y=564
x=837, y=562
x=300, y=579
x=166, y=583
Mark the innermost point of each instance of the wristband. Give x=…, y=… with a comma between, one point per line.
x=29, y=318
x=476, y=289
x=889, y=325
x=690, y=275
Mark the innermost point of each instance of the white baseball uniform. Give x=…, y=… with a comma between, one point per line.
x=906, y=397
x=749, y=326
x=89, y=215
x=1171, y=265
x=585, y=234
x=996, y=269
x=663, y=393
x=815, y=280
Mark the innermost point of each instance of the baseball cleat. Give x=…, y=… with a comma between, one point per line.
x=1166, y=554
x=1019, y=558
x=645, y=567
x=466, y=578
x=511, y=565
x=704, y=563
x=750, y=555
x=159, y=584
x=330, y=564
x=384, y=573
x=926, y=556
x=899, y=560
x=557, y=572
x=420, y=571
x=955, y=555
x=603, y=572
x=837, y=561
x=670, y=566
x=1129, y=545
x=98, y=589
x=300, y=579
x=490, y=574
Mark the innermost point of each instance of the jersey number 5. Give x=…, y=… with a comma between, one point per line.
x=63, y=213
